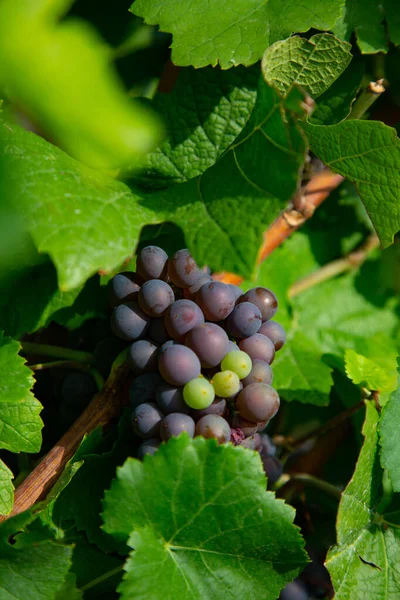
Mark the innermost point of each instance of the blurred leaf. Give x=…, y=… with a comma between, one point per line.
x=363, y=371
x=364, y=562
x=6, y=489
x=389, y=438
x=312, y=64
x=69, y=591
x=203, y=34
x=59, y=72
x=210, y=515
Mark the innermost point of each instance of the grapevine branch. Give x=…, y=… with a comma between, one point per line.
x=106, y=405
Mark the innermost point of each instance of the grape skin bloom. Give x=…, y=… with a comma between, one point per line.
x=178, y=365
x=174, y=424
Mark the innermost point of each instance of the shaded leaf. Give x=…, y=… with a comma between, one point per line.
x=389, y=438
x=6, y=489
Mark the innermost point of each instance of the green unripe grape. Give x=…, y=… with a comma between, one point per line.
x=238, y=362
x=198, y=393
x=226, y=384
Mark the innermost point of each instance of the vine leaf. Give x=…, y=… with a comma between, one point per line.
x=364, y=561
x=203, y=34
x=363, y=371
x=6, y=489
x=209, y=526
x=389, y=438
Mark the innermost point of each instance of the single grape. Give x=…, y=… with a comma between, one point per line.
x=178, y=365
x=264, y=299
x=235, y=394
x=155, y=296
x=253, y=442
x=182, y=269
x=261, y=372
x=210, y=342
x=238, y=362
x=170, y=399
x=148, y=447
x=258, y=402
x=236, y=290
x=247, y=427
x=275, y=332
x=124, y=286
x=233, y=347
x=216, y=300
x=105, y=352
x=244, y=320
x=142, y=357
x=152, y=263
x=146, y=419
x=216, y=408
x=129, y=322
x=259, y=347
x=213, y=426
x=167, y=344
x=198, y=393
x=225, y=384
x=181, y=317
x=157, y=331
x=176, y=423
x=268, y=447
x=143, y=388
x=272, y=467
x=204, y=278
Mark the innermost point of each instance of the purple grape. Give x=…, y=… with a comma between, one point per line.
x=129, y=322
x=124, y=286
x=181, y=317
x=216, y=408
x=182, y=269
x=157, y=331
x=142, y=357
x=244, y=320
x=268, y=447
x=170, y=399
x=155, y=296
x=143, y=389
x=233, y=347
x=213, y=426
x=178, y=365
x=264, y=299
x=148, y=447
x=261, y=372
x=174, y=424
x=146, y=419
x=253, y=442
x=258, y=347
x=209, y=342
x=258, y=402
x=272, y=467
x=216, y=300
x=247, y=427
x=105, y=352
x=205, y=278
x=167, y=344
x=236, y=290
x=275, y=332
x=152, y=263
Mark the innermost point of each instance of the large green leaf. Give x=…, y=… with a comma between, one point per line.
x=313, y=64
x=209, y=529
x=6, y=489
x=20, y=424
x=365, y=372
x=60, y=73
x=368, y=154
x=206, y=110
x=206, y=34
x=364, y=564
x=389, y=438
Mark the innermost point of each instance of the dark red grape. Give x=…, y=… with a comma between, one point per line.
x=244, y=320
x=247, y=427
x=143, y=388
x=124, y=286
x=182, y=269
x=204, y=278
x=148, y=447
x=275, y=332
x=259, y=347
x=216, y=408
x=258, y=402
x=142, y=357
x=129, y=322
x=152, y=263
x=209, y=342
x=253, y=442
x=178, y=365
x=181, y=317
x=216, y=300
x=213, y=426
x=261, y=372
x=105, y=352
x=272, y=467
x=236, y=290
x=174, y=424
x=264, y=299
x=155, y=296
x=170, y=399
x=157, y=331
x=146, y=419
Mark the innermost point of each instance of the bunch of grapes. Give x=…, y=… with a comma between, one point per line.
x=200, y=351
